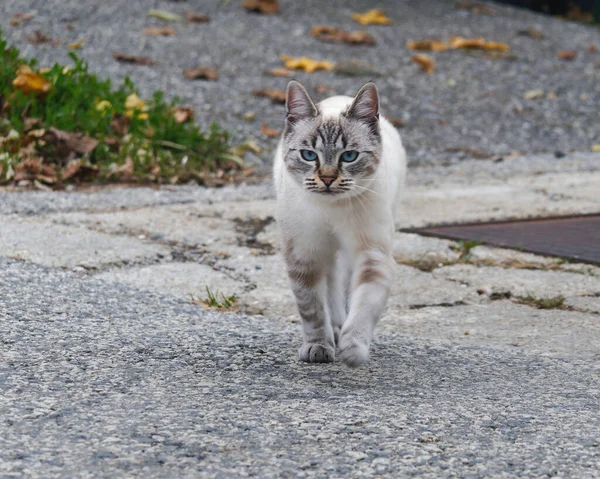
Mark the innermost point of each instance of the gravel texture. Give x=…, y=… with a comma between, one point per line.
x=471, y=101
x=100, y=380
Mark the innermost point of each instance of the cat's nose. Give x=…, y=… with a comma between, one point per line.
x=328, y=179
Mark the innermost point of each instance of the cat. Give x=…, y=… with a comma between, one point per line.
x=338, y=171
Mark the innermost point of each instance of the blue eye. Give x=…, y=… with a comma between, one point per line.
x=308, y=155
x=349, y=156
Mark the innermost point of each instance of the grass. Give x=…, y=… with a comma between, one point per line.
x=135, y=140
x=216, y=300
x=464, y=248
x=556, y=302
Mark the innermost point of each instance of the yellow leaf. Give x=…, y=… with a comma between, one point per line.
x=133, y=102
x=425, y=62
x=428, y=45
x=479, y=42
x=533, y=94
x=374, y=16
x=76, y=45
x=103, y=105
x=309, y=65
x=28, y=81
x=163, y=15
x=596, y=148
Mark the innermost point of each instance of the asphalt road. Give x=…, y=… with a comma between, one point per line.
x=101, y=380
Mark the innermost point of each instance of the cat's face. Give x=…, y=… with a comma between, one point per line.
x=332, y=156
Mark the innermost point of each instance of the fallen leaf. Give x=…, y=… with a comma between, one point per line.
x=261, y=6
x=279, y=72
x=355, y=68
x=203, y=73
x=31, y=123
x=159, y=31
x=28, y=81
x=76, y=169
x=533, y=94
x=38, y=37
x=33, y=168
x=164, y=15
x=19, y=19
x=475, y=7
x=249, y=116
x=428, y=45
x=248, y=145
x=532, y=33
x=70, y=170
x=596, y=148
x=76, y=142
x=126, y=171
x=122, y=57
x=196, y=17
x=474, y=152
x=372, y=17
x=278, y=96
x=397, y=122
x=577, y=14
x=425, y=62
x=327, y=33
x=75, y=45
x=592, y=48
x=307, y=64
x=566, y=55
x=120, y=124
x=183, y=114
x=270, y=132
x=480, y=42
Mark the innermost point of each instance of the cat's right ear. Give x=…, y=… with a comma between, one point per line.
x=298, y=103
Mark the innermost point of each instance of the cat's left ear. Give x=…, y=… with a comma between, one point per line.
x=366, y=104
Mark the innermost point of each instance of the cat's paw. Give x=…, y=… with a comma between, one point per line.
x=316, y=353
x=354, y=352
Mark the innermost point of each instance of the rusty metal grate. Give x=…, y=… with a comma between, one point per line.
x=575, y=237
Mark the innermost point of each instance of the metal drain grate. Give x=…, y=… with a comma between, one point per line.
x=575, y=237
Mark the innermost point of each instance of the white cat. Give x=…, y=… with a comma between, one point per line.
x=338, y=171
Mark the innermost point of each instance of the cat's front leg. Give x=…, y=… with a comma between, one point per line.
x=307, y=272
x=370, y=288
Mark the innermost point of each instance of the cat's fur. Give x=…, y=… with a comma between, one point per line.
x=337, y=240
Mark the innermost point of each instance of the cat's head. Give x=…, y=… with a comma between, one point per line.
x=331, y=155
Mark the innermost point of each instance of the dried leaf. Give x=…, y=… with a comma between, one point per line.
x=425, y=62
x=76, y=169
x=28, y=81
x=480, y=42
x=159, y=31
x=428, y=45
x=196, y=17
x=278, y=96
x=566, y=55
x=355, y=68
x=76, y=142
x=120, y=124
x=71, y=169
x=474, y=152
x=30, y=123
x=38, y=37
x=33, y=168
x=164, y=15
x=592, y=48
x=533, y=94
x=475, y=7
x=279, y=72
x=126, y=171
x=327, y=33
x=203, y=73
x=122, y=57
x=309, y=65
x=270, y=132
x=532, y=33
x=19, y=19
x=596, y=148
x=397, y=122
x=375, y=17
x=75, y=45
x=249, y=116
x=183, y=114
x=261, y=6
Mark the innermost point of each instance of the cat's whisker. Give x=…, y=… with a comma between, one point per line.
x=367, y=189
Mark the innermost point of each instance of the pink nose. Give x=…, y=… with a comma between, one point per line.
x=328, y=179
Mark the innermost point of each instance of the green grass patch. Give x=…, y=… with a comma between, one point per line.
x=556, y=302
x=63, y=124
x=217, y=300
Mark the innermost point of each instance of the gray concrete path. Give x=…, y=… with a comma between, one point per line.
x=109, y=367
